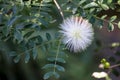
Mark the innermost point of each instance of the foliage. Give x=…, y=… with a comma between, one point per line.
x=31, y=25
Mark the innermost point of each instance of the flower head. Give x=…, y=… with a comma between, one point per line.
x=77, y=33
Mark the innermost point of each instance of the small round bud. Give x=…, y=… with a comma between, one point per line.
x=103, y=60
x=107, y=65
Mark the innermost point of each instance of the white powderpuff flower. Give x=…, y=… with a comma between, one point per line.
x=77, y=33
x=99, y=75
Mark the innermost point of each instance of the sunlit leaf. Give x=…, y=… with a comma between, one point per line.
x=104, y=6
x=109, y=1
x=92, y=4
x=82, y=1
x=104, y=16
x=47, y=1
x=113, y=18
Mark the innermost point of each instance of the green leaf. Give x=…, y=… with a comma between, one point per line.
x=34, y=52
x=58, y=59
x=40, y=40
x=28, y=34
x=48, y=75
x=110, y=27
x=104, y=16
x=118, y=2
x=16, y=59
x=119, y=24
x=81, y=2
x=92, y=4
x=113, y=18
x=100, y=1
x=60, y=68
x=109, y=1
x=13, y=53
x=56, y=75
x=12, y=20
x=48, y=66
x=104, y=6
x=47, y=1
x=18, y=35
x=108, y=78
x=27, y=56
x=48, y=36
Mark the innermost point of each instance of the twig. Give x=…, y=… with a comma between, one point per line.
x=115, y=66
x=57, y=53
x=59, y=8
x=111, y=67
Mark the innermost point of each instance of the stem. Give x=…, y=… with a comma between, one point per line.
x=110, y=69
x=114, y=66
x=37, y=46
x=57, y=55
x=60, y=10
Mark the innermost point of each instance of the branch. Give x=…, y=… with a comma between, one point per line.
x=115, y=66
x=60, y=10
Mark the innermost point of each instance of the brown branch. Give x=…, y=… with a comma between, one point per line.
x=60, y=10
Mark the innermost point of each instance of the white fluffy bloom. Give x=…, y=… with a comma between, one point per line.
x=99, y=75
x=77, y=33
